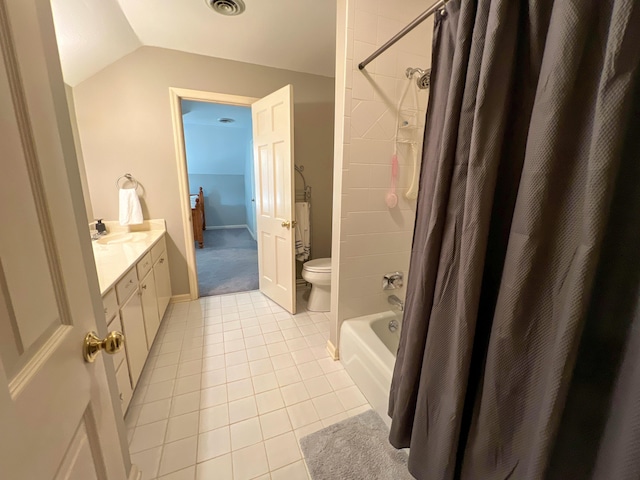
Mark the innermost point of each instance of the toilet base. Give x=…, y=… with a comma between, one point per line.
x=319, y=298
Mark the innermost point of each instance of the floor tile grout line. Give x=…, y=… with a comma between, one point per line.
x=278, y=323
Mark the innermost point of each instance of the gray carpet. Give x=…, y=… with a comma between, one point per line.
x=228, y=263
x=355, y=449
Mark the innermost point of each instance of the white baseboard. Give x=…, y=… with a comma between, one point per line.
x=333, y=350
x=185, y=297
x=226, y=227
x=135, y=473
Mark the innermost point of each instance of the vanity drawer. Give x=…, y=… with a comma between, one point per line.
x=144, y=265
x=110, y=304
x=157, y=249
x=119, y=357
x=126, y=286
x=124, y=386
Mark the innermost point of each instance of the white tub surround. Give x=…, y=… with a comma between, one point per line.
x=133, y=274
x=369, y=238
x=368, y=352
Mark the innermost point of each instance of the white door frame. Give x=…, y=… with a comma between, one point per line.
x=176, y=95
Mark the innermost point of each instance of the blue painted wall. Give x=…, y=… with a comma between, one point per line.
x=224, y=198
x=215, y=150
x=220, y=160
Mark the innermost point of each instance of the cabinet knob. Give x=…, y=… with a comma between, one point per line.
x=111, y=344
x=122, y=397
x=162, y=260
x=144, y=287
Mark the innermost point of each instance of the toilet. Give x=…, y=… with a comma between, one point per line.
x=318, y=273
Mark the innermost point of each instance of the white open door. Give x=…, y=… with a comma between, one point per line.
x=273, y=156
x=57, y=413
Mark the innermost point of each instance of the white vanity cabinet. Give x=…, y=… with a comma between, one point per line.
x=135, y=305
x=135, y=338
x=161, y=275
x=120, y=364
x=125, y=391
x=149, y=297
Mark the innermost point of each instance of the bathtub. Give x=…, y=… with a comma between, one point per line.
x=368, y=352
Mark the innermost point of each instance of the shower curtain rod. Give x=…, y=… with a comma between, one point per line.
x=421, y=18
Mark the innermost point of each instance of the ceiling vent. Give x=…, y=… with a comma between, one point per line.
x=228, y=8
x=226, y=120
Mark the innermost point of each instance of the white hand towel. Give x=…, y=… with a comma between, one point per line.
x=130, y=209
x=303, y=231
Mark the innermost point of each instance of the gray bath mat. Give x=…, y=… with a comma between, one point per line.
x=355, y=449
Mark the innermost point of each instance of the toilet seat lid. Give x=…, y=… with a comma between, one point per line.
x=318, y=265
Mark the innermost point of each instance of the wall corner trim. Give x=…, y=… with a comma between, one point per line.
x=333, y=350
x=135, y=473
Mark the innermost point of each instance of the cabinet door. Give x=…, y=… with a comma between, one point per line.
x=163, y=283
x=125, y=392
x=150, y=307
x=135, y=339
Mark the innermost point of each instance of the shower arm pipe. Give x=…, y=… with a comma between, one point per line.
x=421, y=18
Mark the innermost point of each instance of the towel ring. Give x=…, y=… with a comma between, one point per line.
x=127, y=177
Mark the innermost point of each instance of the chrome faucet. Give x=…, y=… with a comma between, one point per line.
x=393, y=280
x=95, y=235
x=396, y=302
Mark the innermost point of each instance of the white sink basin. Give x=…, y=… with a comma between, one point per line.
x=116, y=238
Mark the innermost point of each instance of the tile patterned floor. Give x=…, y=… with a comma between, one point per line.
x=230, y=386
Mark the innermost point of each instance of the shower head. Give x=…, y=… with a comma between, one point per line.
x=423, y=79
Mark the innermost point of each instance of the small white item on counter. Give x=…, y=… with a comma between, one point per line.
x=130, y=209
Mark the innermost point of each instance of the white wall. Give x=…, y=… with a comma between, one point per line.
x=76, y=140
x=369, y=238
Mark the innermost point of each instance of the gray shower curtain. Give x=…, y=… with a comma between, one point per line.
x=520, y=350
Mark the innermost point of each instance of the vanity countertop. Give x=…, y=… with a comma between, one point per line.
x=119, y=250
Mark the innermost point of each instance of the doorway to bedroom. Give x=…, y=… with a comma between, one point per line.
x=219, y=156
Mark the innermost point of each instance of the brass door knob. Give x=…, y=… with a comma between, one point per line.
x=111, y=344
x=290, y=224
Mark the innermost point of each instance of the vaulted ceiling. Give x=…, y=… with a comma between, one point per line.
x=295, y=35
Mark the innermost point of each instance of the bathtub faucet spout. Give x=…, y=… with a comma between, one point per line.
x=396, y=302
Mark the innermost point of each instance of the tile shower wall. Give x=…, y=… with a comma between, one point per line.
x=375, y=239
